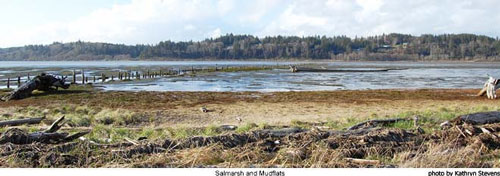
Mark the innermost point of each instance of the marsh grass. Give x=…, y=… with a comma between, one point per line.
x=246, y=127
x=111, y=123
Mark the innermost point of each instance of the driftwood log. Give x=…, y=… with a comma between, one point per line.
x=489, y=88
x=43, y=82
x=480, y=118
x=374, y=123
x=21, y=121
x=49, y=136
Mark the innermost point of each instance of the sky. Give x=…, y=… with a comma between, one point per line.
x=24, y=22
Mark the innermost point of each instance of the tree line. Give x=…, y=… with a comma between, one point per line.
x=239, y=47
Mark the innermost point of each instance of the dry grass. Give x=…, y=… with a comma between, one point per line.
x=116, y=116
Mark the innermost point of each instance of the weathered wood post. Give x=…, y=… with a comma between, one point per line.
x=161, y=74
x=29, y=76
x=120, y=75
x=74, y=77
x=94, y=79
x=137, y=75
x=8, y=83
x=112, y=77
x=18, y=81
x=83, y=77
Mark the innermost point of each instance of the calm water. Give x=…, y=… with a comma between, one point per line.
x=413, y=75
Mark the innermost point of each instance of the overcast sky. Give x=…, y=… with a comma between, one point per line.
x=150, y=21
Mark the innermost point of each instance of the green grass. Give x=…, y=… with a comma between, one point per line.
x=408, y=124
x=211, y=130
x=429, y=120
x=246, y=127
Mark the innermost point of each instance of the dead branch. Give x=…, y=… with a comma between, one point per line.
x=55, y=126
x=21, y=121
x=131, y=141
x=460, y=130
x=363, y=161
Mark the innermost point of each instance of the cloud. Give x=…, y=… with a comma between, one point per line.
x=373, y=17
x=151, y=21
x=216, y=33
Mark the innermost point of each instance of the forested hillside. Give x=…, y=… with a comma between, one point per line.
x=381, y=47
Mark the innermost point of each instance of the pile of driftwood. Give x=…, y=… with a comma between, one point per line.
x=48, y=136
x=42, y=82
x=353, y=144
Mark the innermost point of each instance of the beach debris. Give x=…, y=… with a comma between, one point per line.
x=48, y=136
x=131, y=141
x=489, y=88
x=479, y=118
x=374, y=123
x=239, y=119
x=203, y=109
x=17, y=122
x=445, y=124
x=42, y=82
x=228, y=127
x=293, y=68
x=363, y=161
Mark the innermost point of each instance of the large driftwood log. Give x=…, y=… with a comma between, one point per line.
x=374, y=123
x=489, y=88
x=21, y=121
x=41, y=82
x=480, y=118
x=49, y=136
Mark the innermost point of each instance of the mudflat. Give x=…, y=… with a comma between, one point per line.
x=277, y=108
